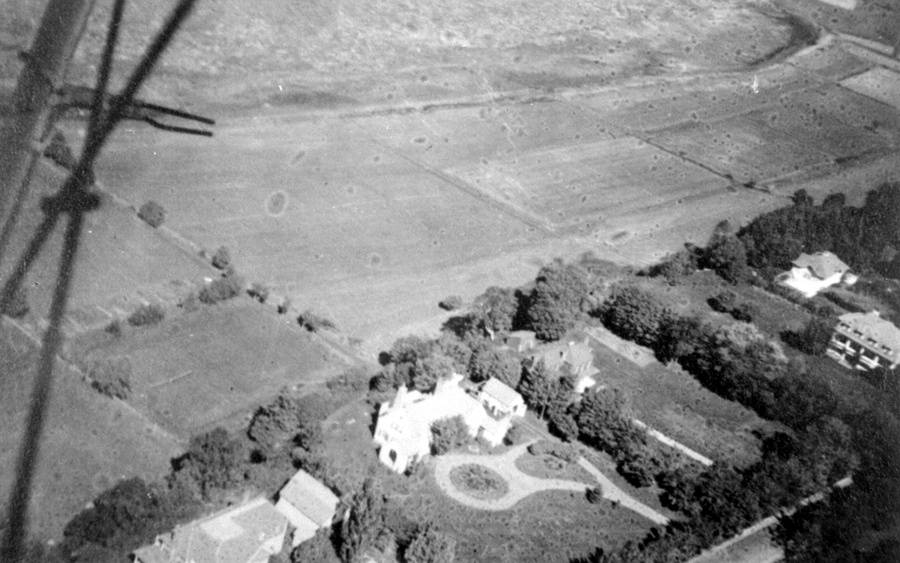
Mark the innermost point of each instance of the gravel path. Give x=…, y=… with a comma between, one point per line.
x=522, y=485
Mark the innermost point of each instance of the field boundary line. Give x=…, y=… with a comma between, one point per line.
x=465, y=187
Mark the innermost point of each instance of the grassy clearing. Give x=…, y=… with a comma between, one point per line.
x=193, y=370
x=549, y=526
x=673, y=402
x=551, y=467
x=90, y=441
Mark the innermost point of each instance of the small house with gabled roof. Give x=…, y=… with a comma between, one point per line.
x=811, y=273
x=501, y=399
x=307, y=504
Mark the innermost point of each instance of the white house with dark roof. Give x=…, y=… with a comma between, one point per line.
x=307, y=504
x=247, y=533
x=501, y=399
x=811, y=273
x=865, y=341
x=403, y=430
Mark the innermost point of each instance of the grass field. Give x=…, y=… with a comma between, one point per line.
x=196, y=370
x=671, y=401
x=89, y=442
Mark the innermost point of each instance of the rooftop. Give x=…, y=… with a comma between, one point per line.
x=872, y=326
x=504, y=394
x=822, y=264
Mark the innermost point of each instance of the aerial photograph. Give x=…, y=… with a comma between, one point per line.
x=449, y=281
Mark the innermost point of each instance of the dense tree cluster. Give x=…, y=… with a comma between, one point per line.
x=498, y=363
x=634, y=314
x=129, y=515
x=858, y=235
x=559, y=299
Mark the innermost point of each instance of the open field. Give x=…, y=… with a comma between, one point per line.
x=120, y=256
x=89, y=442
x=235, y=53
x=196, y=370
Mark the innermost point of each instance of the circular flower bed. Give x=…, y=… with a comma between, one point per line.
x=479, y=482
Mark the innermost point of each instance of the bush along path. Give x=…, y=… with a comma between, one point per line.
x=522, y=485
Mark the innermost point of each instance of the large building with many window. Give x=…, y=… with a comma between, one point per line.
x=865, y=341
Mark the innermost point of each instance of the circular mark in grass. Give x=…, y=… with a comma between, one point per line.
x=479, y=482
x=375, y=260
x=276, y=203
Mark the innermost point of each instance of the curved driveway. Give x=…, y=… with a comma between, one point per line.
x=522, y=485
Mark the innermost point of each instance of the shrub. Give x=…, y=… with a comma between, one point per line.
x=259, y=292
x=284, y=306
x=744, y=312
x=448, y=434
x=221, y=289
x=114, y=328
x=431, y=546
x=352, y=382
x=59, y=152
x=515, y=435
x=566, y=452
x=594, y=495
x=313, y=322
x=147, y=315
x=723, y=301
x=18, y=305
x=222, y=258
x=451, y=303
x=152, y=213
x=111, y=377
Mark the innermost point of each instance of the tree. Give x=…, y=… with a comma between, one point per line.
x=447, y=434
x=801, y=198
x=495, y=362
x=563, y=424
x=431, y=546
x=365, y=521
x=558, y=299
x=408, y=349
x=728, y=258
x=287, y=421
x=152, y=213
x=604, y=419
x=222, y=258
x=537, y=387
x=814, y=337
x=679, y=337
x=221, y=289
x=675, y=267
x=430, y=370
x=318, y=549
x=496, y=308
x=634, y=314
x=215, y=461
x=147, y=315
x=111, y=376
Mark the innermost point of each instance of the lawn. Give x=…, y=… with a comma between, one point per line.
x=550, y=526
x=197, y=369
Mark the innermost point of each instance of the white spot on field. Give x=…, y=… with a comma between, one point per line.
x=845, y=4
